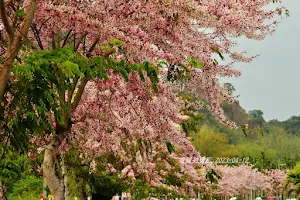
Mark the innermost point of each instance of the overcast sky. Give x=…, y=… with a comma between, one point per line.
x=271, y=82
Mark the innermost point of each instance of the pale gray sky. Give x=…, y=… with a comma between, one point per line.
x=271, y=82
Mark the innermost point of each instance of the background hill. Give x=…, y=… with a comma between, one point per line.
x=272, y=144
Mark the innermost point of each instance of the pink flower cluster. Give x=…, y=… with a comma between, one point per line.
x=173, y=31
x=236, y=180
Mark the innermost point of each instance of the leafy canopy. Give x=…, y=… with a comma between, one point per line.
x=47, y=83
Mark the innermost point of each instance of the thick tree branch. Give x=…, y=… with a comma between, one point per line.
x=5, y=21
x=79, y=93
x=71, y=92
x=17, y=40
x=79, y=41
x=30, y=11
x=91, y=49
x=84, y=80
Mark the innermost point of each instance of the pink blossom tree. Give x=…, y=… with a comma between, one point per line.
x=277, y=178
x=236, y=180
x=139, y=130
x=184, y=34
x=153, y=31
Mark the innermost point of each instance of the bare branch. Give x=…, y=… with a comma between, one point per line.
x=44, y=23
x=37, y=35
x=66, y=38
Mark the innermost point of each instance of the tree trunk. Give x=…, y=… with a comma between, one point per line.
x=64, y=172
x=54, y=169
x=52, y=173
x=44, y=188
x=4, y=73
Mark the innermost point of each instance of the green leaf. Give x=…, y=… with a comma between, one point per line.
x=141, y=75
x=194, y=63
x=20, y=14
x=124, y=73
x=170, y=147
x=116, y=42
